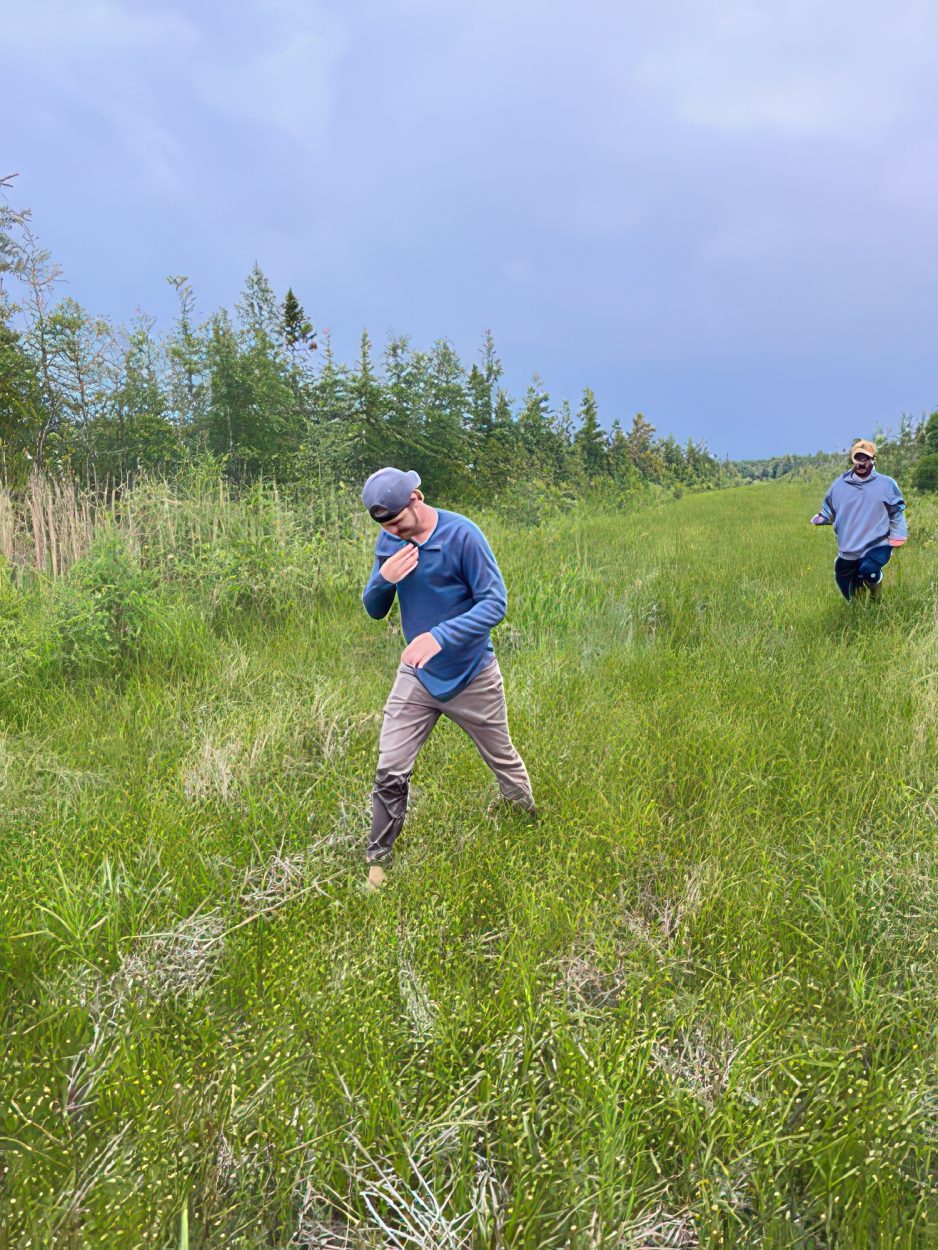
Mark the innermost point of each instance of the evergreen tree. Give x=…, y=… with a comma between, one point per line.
x=21, y=406
x=482, y=384
x=544, y=441
x=221, y=431
x=253, y=417
x=257, y=308
x=621, y=465
x=85, y=371
x=671, y=457
x=298, y=333
x=138, y=434
x=405, y=402
x=445, y=445
x=39, y=275
x=187, y=358
x=500, y=460
x=273, y=418
x=564, y=423
x=325, y=449
x=641, y=449
x=246, y=392
x=251, y=420
x=590, y=439
x=365, y=446
x=299, y=339
x=534, y=428
x=703, y=468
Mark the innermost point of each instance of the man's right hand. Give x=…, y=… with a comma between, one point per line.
x=819, y=519
x=396, y=567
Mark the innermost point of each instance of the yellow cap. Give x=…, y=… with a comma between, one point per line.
x=864, y=445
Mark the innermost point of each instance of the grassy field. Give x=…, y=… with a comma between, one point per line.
x=694, y=1006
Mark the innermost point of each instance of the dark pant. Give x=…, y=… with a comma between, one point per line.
x=851, y=574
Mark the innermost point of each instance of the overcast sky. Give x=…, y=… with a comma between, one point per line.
x=722, y=214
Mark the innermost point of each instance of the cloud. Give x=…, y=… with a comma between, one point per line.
x=709, y=185
x=92, y=32
x=798, y=68
x=285, y=78
x=146, y=72
x=107, y=63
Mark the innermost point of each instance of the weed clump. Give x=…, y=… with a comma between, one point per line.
x=102, y=609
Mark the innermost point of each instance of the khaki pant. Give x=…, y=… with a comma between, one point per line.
x=409, y=715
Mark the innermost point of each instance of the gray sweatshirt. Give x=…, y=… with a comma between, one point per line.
x=865, y=513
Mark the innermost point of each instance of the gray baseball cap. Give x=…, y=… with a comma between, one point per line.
x=387, y=492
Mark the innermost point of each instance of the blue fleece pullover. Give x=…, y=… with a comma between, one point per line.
x=865, y=513
x=456, y=593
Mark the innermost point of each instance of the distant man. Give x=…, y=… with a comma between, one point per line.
x=451, y=594
x=867, y=512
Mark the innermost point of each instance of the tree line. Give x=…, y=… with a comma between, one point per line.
x=260, y=389
x=909, y=453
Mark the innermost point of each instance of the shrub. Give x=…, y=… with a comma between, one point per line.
x=925, y=476
x=101, y=609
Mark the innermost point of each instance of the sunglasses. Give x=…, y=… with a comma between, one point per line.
x=383, y=515
x=862, y=457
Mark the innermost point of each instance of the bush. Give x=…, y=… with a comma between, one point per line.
x=100, y=610
x=925, y=476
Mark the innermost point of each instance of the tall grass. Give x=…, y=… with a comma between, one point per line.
x=694, y=1006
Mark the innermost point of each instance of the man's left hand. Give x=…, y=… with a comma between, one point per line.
x=896, y=542
x=424, y=647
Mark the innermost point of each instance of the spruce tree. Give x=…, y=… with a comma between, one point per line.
x=21, y=406
x=139, y=434
x=444, y=450
x=500, y=460
x=257, y=308
x=672, y=459
x=297, y=329
x=325, y=449
x=641, y=449
x=186, y=357
x=621, y=466
x=405, y=402
x=481, y=385
x=220, y=431
x=534, y=426
x=365, y=446
x=590, y=439
x=299, y=339
x=85, y=363
x=255, y=417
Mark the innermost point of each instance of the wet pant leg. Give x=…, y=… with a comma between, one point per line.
x=409, y=716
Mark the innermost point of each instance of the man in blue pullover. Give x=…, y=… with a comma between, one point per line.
x=867, y=512
x=451, y=594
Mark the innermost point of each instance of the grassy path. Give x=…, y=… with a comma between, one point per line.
x=696, y=1005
